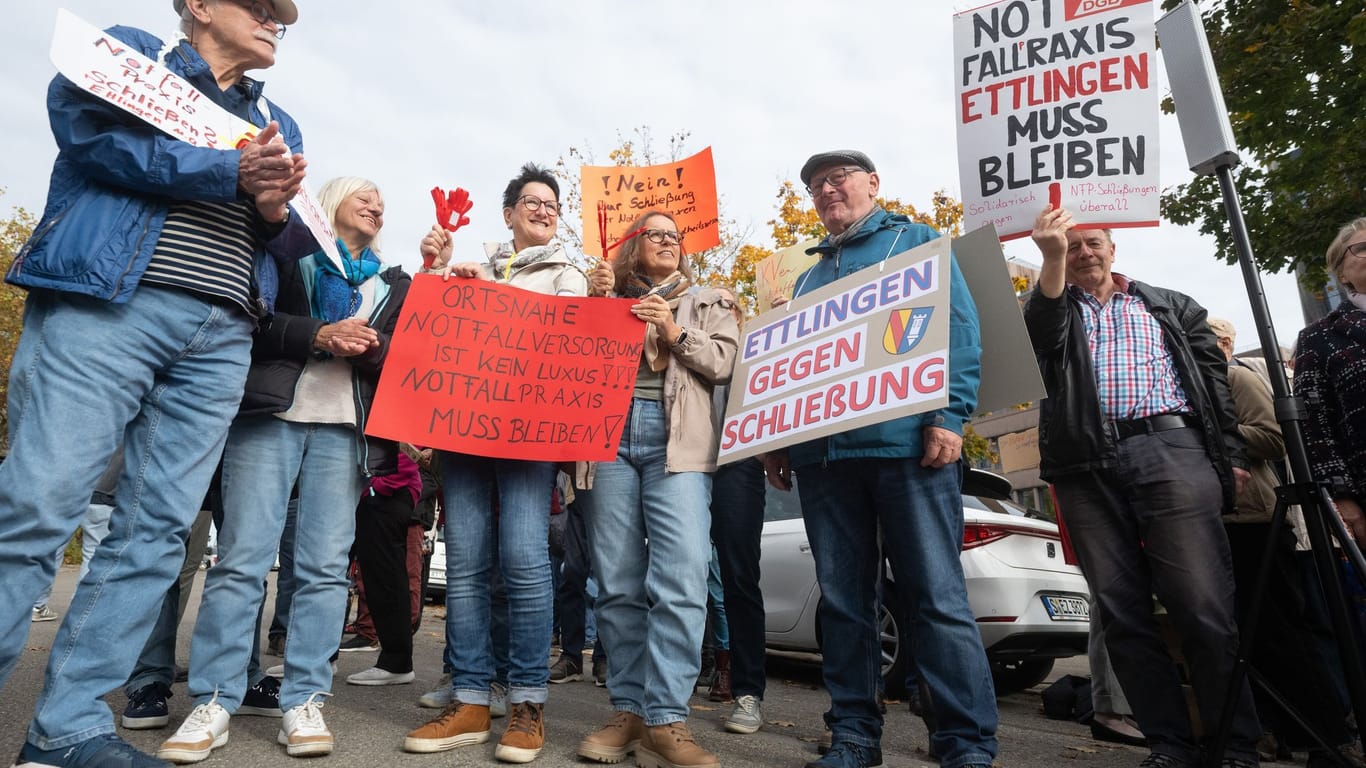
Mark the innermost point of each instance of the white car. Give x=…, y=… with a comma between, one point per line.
x=1031, y=606
x=435, y=589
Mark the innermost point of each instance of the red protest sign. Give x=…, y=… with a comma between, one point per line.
x=490, y=370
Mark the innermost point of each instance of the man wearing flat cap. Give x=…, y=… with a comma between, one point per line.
x=898, y=482
x=146, y=275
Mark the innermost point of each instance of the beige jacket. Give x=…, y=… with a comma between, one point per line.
x=704, y=359
x=1257, y=423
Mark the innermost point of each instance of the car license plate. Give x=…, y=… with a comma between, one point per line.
x=1066, y=608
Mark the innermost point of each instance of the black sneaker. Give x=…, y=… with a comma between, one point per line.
x=108, y=749
x=147, y=708
x=358, y=643
x=565, y=670
x=600, y=673
x=262, y=699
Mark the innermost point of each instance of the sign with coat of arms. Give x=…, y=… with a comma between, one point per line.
x=870, y=347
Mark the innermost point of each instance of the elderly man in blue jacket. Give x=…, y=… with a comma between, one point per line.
x=148, y=269
x=900, y=480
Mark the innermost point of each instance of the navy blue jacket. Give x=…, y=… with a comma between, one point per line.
x=116, y=176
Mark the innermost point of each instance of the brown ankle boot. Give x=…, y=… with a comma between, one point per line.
x=720, y=687
x=672, y=746
x=614, y=741
x=525, y=734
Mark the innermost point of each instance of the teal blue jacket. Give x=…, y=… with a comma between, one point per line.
x=883, y=235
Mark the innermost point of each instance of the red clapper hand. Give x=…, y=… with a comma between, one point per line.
x=451, y=208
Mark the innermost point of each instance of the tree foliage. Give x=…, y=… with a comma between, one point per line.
x=14, y=232
x=1294, y=81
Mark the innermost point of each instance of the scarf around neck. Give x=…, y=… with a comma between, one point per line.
x=336, y=295
x=672, y=289
x=505, y=260
x=837, y=240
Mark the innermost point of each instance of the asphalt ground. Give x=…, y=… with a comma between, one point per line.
x=369, y=723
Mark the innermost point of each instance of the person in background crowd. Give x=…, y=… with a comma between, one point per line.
x=316, y=364
x=1285, y=651
x=501, y=505
x=150, y=264
x=1330, y=376
x=715, y=673
x=383, y=518
x=897, y=483
x=737, y=525
x=652, y=602
x=575, y=605
x=1139, y=438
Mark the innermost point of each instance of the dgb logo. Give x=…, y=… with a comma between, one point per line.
x=905, y=329
x=1075, y=9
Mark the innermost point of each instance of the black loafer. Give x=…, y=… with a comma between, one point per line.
x=1102, y=732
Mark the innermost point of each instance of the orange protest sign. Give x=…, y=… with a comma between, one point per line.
x=491, y=370
x=618, y=194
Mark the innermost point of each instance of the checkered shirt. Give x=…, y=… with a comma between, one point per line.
x=1135, y=376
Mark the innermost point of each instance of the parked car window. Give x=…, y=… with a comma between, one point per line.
x=781, y=505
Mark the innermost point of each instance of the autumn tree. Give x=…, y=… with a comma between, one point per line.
x=1295, y=87
x=14, y=232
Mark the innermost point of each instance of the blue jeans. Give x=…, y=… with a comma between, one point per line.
x=94, y=528
x=1149, y=525
x=521, y=492
x=284, y=575
x=156, y=663
x=652, y=602
x=263, y=459
x=737, y=524
x=162, y=374
x=919, y=514
x=719, y=633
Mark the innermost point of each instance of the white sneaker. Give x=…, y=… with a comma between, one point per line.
x=43, y=613
x=303, y=731
x=278, y=671
x=377, y=676
x=498, y=700
x=439, y=697
x=204, y=730
x=746, y=717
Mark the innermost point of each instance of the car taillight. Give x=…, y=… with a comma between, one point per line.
x=977, y=534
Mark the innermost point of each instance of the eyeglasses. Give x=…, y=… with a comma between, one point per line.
x=1357, y=250
x=262, y=15
x=535, y=204
x=659, y=236
x=834, y=178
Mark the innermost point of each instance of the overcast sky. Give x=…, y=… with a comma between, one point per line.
x=420, y=94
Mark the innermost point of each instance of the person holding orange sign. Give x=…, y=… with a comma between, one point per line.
x=652, y=603
x=504, y=504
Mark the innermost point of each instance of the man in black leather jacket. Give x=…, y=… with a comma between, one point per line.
x=1139, y=440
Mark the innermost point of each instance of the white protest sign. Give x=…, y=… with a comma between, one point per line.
x=1057, y=102
x=108, y=68
x=776, y=275
x=864, y=349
